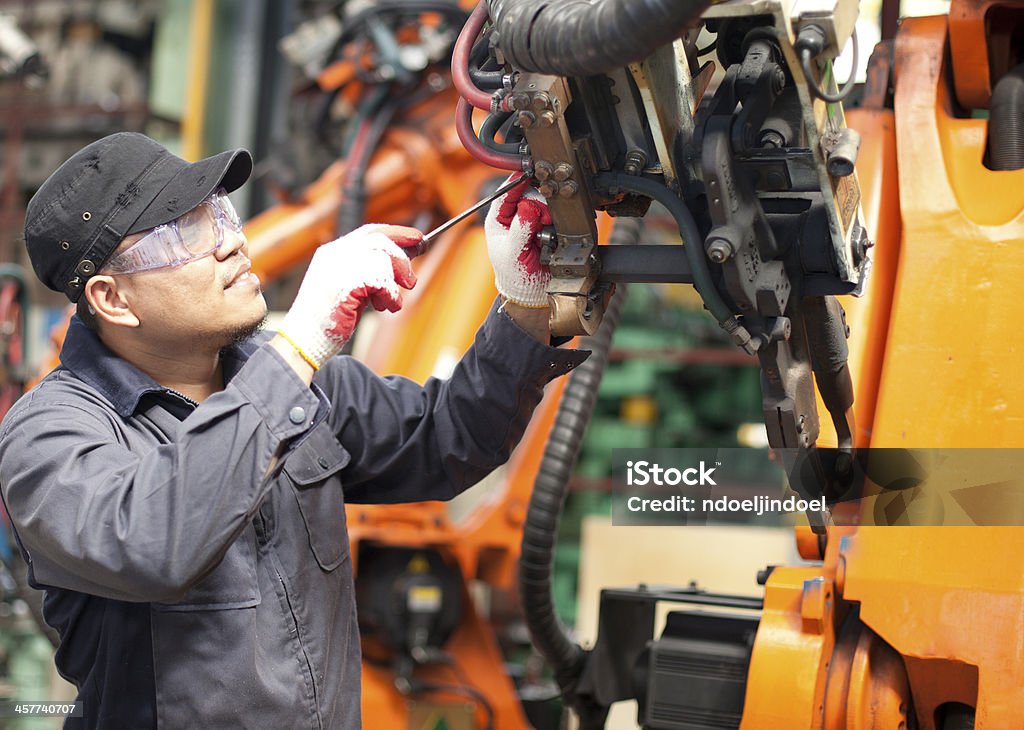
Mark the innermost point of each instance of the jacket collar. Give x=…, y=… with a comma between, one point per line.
x=123, y=384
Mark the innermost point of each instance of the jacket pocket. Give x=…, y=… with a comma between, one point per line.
x=312, y=469
x=232, y=584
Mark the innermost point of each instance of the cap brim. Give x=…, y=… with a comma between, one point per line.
x=192, y=184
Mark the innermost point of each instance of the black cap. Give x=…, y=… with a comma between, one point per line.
x=122, y=184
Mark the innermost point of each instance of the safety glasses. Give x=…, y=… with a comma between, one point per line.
x=191, y=236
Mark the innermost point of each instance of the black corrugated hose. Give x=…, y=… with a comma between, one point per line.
x=551, y=486
x=586, y=39
x=1006, y=122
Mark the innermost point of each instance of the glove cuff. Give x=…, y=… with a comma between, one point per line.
x=532, y=293
x=312, y=344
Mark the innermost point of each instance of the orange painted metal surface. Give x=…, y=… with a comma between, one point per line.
x=951, y=366
x=945, y=597
x=789, y=664
x=950, y=601
x=867, y=682
x=941, y=607
x=969, y=46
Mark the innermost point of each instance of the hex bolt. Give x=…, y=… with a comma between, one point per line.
x=563, y=171
x=541, y=100
x=526, y=119
x=719, y=250
x=543, y=170
x=771, y=138
x=636, y=161
x=548, y=188
x=779, y=79
x=547, y=118
x=520, y=101
x=568, y=189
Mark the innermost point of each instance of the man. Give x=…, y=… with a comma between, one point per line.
x=178, y=489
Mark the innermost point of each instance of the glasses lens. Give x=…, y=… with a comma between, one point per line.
x=160, y=247
x=198, y=230
x=223, y=203
x=193, y=235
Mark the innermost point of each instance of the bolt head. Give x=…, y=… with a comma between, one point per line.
x=568, y=189
x=547, y=118
x=548, y=188
x=541, y=100
x=526, y=119
x=563, y=171
x=719, y=250
x=543, y=170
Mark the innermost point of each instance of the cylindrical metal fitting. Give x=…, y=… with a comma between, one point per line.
x=547, y=118
x=843, y=156
x=542, y=170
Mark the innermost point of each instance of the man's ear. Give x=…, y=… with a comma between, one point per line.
x=108, y=301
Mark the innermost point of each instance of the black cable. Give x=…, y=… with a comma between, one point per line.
x=384, y=106
x=805, y=64
x=353, y=191
x=586, y=38
x=510, y=130
x=484, y=69
x=547, y=502
x=322, y=125
x=490, y=128
x=692, y=240
x=708, y=48
x=353, y=26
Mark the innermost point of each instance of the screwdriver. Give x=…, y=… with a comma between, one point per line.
x=428, y=239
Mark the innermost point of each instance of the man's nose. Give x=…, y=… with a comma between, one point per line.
x=233, y=241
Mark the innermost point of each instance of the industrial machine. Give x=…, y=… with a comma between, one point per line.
x=761, y=176
x=909, y=208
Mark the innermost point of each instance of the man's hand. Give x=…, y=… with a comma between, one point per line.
x=367, y=266
x=511, y=228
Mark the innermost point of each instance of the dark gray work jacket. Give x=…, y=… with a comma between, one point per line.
x=189, y=591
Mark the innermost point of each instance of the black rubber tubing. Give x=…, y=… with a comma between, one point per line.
x=1006, y=122
x=585, y=39
x=550, y=488
x=693, y=242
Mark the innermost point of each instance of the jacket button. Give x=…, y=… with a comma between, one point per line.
x=322, y=462
x=297, y=414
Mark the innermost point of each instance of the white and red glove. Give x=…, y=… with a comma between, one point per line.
x=366, y=266
x=511, y=229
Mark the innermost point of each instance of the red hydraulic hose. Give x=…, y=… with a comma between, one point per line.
x=472, y=143
x=460, y=60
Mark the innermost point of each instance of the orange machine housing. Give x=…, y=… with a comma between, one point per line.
x=898, y=621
